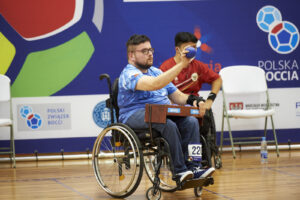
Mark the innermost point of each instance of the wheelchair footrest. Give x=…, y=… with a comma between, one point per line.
x=193, y=183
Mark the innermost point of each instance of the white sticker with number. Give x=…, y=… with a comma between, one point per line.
x=195, y=152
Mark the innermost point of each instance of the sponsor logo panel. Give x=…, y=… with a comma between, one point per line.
x=44, y=116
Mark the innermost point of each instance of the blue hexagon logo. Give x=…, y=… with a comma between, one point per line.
x=283, y=35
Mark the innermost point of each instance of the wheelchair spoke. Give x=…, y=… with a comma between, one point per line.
x=117, y=161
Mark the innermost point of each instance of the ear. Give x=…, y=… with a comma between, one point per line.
x=177, y=49
x=131, y=56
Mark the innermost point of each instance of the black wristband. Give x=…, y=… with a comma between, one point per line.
x=192, y=98
x=211, y=96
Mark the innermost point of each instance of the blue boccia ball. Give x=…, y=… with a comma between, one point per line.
x=191, y=52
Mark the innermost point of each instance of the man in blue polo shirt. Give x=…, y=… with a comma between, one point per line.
x=141, y=83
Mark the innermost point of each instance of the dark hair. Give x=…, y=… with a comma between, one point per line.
x=184, y=37
x=136, y=40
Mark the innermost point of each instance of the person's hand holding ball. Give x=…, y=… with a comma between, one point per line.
x=191, y=52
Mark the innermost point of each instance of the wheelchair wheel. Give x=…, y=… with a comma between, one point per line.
x=118, y=160
x=166, y=182
x=198, y=191
x=153, y=194
x=218, y=162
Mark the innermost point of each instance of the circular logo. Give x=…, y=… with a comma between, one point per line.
x=194, y=77
x=34, y=121
x=101, y=115
x=267, y=17
x=283, y=35
x=25, y=110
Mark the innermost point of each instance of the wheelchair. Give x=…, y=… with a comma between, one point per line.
x=120, y=154
x=208, y=131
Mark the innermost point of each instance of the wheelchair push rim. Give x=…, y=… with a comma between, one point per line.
x=118, y=163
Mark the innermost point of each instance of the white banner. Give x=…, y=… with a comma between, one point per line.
x=61, y=117
x=86, y=115
x=285, y=101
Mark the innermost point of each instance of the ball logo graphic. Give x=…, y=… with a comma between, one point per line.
x=34, y=121
x=25, y=110
x=283, y=35
x=267, y=17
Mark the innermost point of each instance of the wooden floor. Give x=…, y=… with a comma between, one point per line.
x=242, y=178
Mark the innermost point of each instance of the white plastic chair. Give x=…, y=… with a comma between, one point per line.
x=7, y=122
x=242, y=80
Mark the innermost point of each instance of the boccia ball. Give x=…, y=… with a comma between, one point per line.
x=191, y=52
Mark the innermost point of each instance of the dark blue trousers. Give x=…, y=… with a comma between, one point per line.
x=178, y=131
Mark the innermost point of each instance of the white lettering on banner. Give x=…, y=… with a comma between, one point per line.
x=282, y=76
x=280, y=65
x=282, y=70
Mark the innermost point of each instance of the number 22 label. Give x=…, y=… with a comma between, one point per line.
x=195, y=152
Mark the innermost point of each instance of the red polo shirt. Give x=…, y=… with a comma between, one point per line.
x=191, y=78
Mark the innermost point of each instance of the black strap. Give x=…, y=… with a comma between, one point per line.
x=212, y=96
x=193, y=98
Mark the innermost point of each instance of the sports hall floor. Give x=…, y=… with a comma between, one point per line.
x=242, y=178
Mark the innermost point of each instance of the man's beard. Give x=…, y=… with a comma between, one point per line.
x=143, y=66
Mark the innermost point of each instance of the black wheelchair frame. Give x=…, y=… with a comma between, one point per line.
x=128, y=151
x=208, y=131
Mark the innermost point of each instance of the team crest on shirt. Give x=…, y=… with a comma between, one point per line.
x=194, y=77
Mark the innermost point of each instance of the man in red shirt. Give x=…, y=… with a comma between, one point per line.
x=190, y=79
